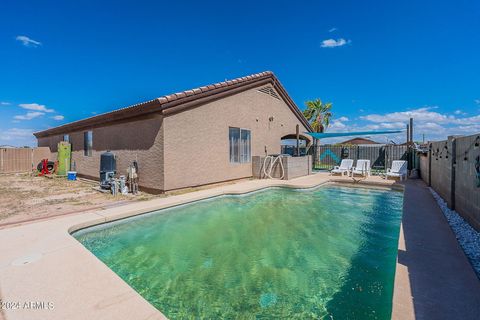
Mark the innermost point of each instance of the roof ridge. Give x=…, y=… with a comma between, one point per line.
x=227, y=83
x=167, y=101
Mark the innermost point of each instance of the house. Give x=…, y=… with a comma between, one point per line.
x=359, y=141
x=195, y=137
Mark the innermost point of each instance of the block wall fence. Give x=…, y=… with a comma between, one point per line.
x=452, y=168
x=16, y=160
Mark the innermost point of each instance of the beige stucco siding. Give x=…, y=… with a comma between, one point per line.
x=140, y=139
x=196, y=144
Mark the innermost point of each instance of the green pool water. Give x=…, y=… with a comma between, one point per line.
x=325, y=253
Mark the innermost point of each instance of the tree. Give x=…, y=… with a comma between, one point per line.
x=318, y=114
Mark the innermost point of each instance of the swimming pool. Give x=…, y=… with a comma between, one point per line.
x=279, y=253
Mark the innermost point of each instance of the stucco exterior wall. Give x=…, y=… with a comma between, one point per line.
x=140, y=139
x=196, y=149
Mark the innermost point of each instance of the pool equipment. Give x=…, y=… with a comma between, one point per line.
x=268, y=168
x=108, y=169
x=64, y=155
x=118, y=185
x=45, y=167
x=132, y=177
x=123, y=185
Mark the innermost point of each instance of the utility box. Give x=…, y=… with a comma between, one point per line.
x=64, y=157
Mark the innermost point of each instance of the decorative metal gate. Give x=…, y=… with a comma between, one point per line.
x=380, y=156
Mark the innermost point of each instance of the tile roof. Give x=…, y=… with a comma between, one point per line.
x=167, y=102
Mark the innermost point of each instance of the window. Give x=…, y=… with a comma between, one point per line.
x=244, y=146
x=87, y=143
x=240, y=145
x=66, y=138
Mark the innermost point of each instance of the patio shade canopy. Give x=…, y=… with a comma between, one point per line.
x=318, y=135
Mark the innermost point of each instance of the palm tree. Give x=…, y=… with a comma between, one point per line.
x=318, y=114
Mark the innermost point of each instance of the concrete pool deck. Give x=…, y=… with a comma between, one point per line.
x=42, y=263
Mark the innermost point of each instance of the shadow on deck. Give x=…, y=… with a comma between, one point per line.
x=434, y=279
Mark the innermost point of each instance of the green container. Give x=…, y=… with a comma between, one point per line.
x=64, y=157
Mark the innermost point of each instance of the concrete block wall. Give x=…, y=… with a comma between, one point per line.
x=450, y=169
x=441, y=166
x=22, y=159
x=293, y=166
x=424, y=167
x=467, y=190
x=297, y=166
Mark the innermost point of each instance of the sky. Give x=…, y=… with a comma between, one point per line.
x=378, y=62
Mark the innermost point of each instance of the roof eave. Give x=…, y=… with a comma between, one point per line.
x=178, y=102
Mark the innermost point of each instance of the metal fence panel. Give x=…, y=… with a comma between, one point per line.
x=380, y=156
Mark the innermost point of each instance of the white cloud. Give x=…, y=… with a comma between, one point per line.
x=332, y=43
x=29, y=115
x=13, y=133
x=17, y=137
x=427, y=120
x=337, y=124
x=58, y=118
x=28, y=42
x=424, y=114
x=35, y=107
x=392, y=125
x=4, y=103
x=332, y=29
x=468, y=120
x=343, y=119
x=430, y=126
x=459, y=112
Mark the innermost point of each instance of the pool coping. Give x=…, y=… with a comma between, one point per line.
x=44, y=252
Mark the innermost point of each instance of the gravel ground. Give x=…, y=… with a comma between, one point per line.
x=468, y=237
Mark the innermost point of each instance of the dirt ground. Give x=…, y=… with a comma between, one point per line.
x=27, y=197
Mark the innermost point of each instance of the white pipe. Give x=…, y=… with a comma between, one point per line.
x=273, y=160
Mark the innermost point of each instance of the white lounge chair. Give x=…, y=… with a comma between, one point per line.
x=362, y=168
x=398, y=169
x=344, y=168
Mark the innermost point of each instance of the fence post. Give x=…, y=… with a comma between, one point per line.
x=453, y=165
x=430, y=165
x=31, y=159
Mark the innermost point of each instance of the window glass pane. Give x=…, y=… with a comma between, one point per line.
x=245, y=145
x=66, y=138
x=234, y=138
x=88, y=143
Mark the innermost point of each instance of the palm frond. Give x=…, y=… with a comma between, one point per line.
x=318, y=114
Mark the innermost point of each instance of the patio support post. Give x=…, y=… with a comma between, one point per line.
x=298, y=140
